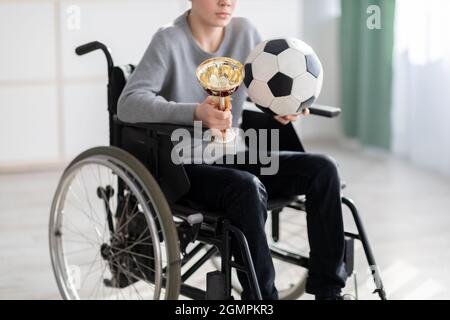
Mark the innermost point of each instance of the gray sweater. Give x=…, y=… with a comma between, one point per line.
x=164, y=87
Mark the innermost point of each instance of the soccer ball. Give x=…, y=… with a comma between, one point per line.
x=283, y=76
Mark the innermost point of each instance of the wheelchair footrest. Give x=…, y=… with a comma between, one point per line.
x=188, y=230
x=349, y=257
x=216, y=286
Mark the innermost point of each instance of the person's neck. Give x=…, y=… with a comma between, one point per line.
x=208, y=38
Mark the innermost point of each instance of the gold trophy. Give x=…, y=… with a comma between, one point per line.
x=221, y=77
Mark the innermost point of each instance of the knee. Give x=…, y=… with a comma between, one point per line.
x=249, y=192
x=251, y=188
x=327, y=166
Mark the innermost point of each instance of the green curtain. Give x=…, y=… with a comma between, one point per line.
x=366, y=72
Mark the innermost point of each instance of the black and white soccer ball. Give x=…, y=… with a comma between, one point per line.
x=283, y=76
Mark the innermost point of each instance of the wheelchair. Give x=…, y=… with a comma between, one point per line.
x=121, y=226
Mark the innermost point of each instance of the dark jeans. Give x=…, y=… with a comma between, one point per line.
x=242, y=193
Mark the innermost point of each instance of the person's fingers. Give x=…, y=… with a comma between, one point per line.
x=282, y=120
x=224, y=124
x=220, y=119
x=212, y=101
x=221, y=125
x=291, y=117
x=215, y=101
x=221, y=115
x=217, y=115
x=306, y=112
x=209, y=100
x=228, y=114
x=228, y=103
x=226, y=106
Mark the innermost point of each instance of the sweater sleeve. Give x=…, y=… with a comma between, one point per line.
x=257, y=38
x=140, y=102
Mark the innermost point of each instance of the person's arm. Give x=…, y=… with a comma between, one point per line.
x=140, y=102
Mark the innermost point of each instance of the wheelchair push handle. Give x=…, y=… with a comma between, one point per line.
x=93, y=46
x=88, y=47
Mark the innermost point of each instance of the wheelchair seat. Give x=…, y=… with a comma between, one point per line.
x=280, y=203
x=187, y=206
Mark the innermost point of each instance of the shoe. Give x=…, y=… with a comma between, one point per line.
x=336, y=297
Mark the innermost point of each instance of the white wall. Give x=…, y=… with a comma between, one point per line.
x=28, y=108
x=321, y=31
x=53, y=103
x=273, y=18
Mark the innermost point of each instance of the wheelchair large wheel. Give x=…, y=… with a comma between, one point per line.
x=111, y=231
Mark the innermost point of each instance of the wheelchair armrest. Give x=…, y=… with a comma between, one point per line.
x=256, y=119
x=324, y=111
x=315, y=109
x=165, y=129
x=160, y=128
x=151, y=143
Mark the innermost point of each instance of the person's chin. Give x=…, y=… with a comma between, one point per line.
x=222, y=22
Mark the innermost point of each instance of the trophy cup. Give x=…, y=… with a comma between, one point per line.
x=221, y=77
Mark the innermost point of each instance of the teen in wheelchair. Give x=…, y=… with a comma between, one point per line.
x=127, y=222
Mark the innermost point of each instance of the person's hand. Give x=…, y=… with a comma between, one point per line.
x=211, y=117
x=287, y=119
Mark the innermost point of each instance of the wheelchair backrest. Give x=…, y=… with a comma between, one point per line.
x=144, y=143
x=118, y=79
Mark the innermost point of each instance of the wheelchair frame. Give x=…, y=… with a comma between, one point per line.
x=150, y=143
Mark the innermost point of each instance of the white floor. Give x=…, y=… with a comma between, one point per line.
x=406, y=211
